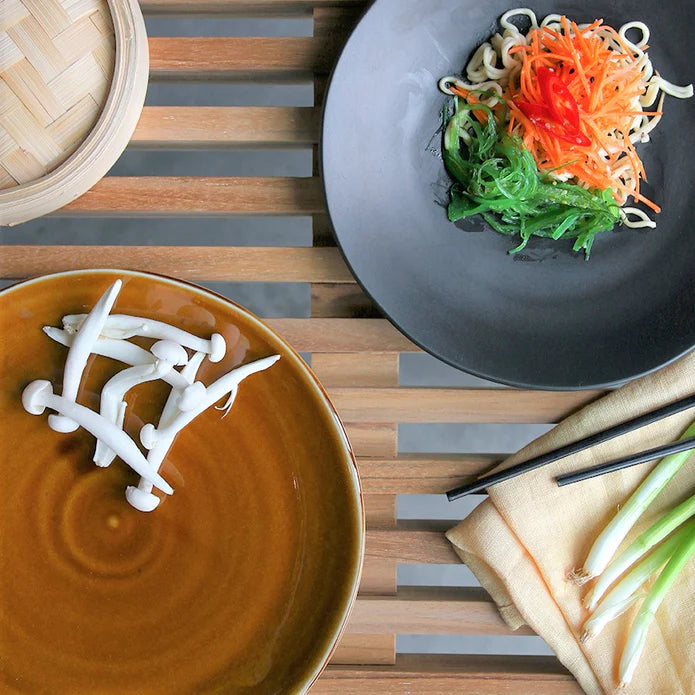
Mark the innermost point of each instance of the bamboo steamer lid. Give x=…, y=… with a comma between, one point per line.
x=73, y=77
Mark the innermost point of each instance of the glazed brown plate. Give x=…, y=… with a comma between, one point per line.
x=240, y=582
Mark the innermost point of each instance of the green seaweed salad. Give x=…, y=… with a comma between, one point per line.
x=496, y=177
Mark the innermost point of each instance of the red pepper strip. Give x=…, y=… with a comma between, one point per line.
x=540, y=115
x=558, y=99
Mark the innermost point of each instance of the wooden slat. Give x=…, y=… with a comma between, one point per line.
x=320, y=224
x=367, y=439
x=410, y=545
x=380, y=511
x=379, y=576
x=430, y=611
x=287, y=58
x=242, y=8
x=342, y=335
x=206, y=127
x=372, y=439
x=365, y=649
x=341, y=301
x=349, y=369
x=457, y=405
x=224, y=263
x=198, y=196
x=332, y=21
x=420, y=474
x=435, y=674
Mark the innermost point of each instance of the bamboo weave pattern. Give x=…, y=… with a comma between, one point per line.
x=56, y=64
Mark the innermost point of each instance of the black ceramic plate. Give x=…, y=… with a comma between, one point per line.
x=543, y=318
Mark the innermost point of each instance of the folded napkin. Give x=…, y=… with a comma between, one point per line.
x=523, y=541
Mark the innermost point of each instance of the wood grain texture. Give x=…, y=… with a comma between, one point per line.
x=342, y=335
x=430, y=611
x=372, y=439
x=223, y=263
x=336, y=21
x=277, y=59
x=415, y=544
x=243, y=8
x=379, y=577
x=457, y=405
x=186, y=196
x=218, y=127
x=380, y=511
x=350, y=369
x=321, y=228
x=341, y=300
x=355, y=648
x=425, y=674
x=380, y=573
x=422, y=474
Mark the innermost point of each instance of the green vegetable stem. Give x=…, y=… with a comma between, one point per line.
x=497, y=177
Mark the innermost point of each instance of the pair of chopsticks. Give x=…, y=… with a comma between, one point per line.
x=610, y=433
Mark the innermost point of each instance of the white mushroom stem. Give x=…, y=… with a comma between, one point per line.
x=38, y=396
x=149, y=436
x=79, y=352
x=141, y=496
x=120, y=350
x=115, y=349
x=124, y=326
x=166, y=354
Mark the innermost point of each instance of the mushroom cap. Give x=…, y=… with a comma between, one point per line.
x=60, y=423
x=33, y=396
x=141, y=500
x=192, y=396
x=148, y=435
x=218, y=347
x=169, y=351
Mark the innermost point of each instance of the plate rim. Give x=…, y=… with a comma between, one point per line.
x=520, y=383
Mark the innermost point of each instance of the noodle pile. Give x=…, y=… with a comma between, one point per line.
x=619, y=95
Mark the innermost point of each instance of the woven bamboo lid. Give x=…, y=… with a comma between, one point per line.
x=73, y=75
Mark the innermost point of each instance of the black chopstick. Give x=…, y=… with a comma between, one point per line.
x=538, y=461
x=617, y=464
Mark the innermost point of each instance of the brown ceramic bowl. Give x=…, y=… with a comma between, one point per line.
x=240, y=582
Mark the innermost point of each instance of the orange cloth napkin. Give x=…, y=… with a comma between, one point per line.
x=523, y=541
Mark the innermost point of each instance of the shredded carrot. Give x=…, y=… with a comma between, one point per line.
x=497, y=109
x=480, y=115
x=603, y=76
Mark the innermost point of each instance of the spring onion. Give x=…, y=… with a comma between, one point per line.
x=653, y=535
x=626, y=591
x=612, y=536
x=497, y=178
x=638, y=633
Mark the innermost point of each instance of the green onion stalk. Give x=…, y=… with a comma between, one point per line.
x=497, y=178
x=640, y=627
x=606, y=545
x=653, y=535
x=628, y=590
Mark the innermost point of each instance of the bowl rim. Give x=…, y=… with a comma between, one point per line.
x=356, y=491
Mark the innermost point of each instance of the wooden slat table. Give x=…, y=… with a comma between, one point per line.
x=353, y=350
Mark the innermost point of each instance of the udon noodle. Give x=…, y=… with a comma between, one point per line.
x=495, y=65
